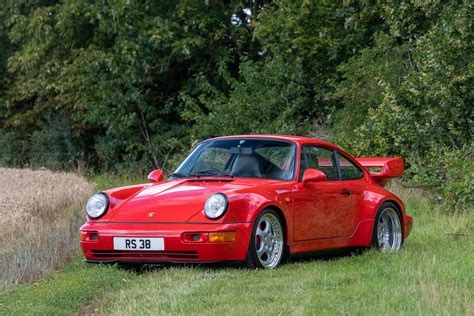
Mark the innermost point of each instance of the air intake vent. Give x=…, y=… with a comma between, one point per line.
x=210, y=180
x=146, y=254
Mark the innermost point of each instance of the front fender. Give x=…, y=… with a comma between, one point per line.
x=245, y=207
x=117, y=196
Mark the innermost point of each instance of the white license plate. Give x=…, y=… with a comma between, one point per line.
x=144, y=244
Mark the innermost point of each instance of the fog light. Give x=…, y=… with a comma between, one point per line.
x=88, y=236
x=222, y=236
x=194, y=237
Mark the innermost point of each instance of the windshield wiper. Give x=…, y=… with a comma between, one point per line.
x=183, y=175
x=213, y=172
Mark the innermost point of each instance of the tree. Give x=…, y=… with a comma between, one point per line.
x=286, y=88
x=117, y=70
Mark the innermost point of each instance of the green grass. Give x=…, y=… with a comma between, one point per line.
x=432, y=274
x=70, y=289
x=107, y=181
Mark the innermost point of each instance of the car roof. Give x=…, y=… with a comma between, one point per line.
x=296, y=139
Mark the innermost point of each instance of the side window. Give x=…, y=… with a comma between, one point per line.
x=318, y=158
x=349, y=171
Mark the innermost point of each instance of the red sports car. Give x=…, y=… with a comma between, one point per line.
x=256, y=199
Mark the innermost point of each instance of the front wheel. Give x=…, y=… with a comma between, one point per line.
x=266, y=247
x=387, y=235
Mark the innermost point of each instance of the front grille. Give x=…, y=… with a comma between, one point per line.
x=145, y=254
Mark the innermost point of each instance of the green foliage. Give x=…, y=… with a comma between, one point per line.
x=450, y=175
x=53, y=146
x=285, y=89
x=138, y=82
x=13, y=151
x=456, y=187
x=7, y=10
x=419, y=97
x=260, y=103
x=118, y=69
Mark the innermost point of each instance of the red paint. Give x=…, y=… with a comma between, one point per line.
x=389, y=168
x=156, y=176
x=313, y=175
x=318, y=215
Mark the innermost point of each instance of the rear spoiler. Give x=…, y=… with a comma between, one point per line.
x=383, y=169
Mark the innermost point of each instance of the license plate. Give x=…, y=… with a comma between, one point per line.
x=126, y=243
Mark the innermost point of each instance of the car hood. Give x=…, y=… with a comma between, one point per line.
x=176, y=200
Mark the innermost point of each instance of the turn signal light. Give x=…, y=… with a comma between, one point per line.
x=222, y=236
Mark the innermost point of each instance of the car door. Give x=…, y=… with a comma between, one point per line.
x=321, y=209
x=353, y=183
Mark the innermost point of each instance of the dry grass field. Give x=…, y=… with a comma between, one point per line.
x=40, y=213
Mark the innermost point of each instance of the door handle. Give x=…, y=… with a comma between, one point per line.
x=346, y=192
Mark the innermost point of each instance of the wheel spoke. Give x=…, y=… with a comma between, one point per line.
x=269, y=253
x=386, y=237
x=267, y=228
x=261, y=250
x=379, y=234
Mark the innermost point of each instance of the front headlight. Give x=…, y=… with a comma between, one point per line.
x=215, y=206
x=97, y=205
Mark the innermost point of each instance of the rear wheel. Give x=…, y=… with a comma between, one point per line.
x=387, y=235
x=266, y=248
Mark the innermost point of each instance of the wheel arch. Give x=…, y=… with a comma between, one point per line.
x=398, y=208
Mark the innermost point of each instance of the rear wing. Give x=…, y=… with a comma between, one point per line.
x=383, y=169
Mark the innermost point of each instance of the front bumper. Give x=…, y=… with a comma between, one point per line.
x=177, y=248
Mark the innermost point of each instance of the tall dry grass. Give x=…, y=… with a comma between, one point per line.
x=40, y=215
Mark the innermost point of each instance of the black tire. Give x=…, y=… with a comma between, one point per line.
x=396, y=238
x=252, y=260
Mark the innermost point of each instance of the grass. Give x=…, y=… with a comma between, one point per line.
x=39, y=218
x=106, y=181
x=432, y=274
x=69, y=290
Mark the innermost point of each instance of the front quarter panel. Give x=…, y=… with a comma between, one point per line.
x=116, y=197
x=245, y=205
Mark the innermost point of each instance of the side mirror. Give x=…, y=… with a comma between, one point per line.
x=156, y=176
x=313, y=175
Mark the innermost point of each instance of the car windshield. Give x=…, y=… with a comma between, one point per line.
x=236, y=157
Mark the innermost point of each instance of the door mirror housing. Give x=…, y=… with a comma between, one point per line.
x=313, y=175
x=156, y=176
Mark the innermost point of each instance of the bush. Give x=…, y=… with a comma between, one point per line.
x=53, y=146
x=13, y=150
x=424, y=110
x=456, y=179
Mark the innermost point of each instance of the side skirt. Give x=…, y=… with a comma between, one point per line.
x=360, y=238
